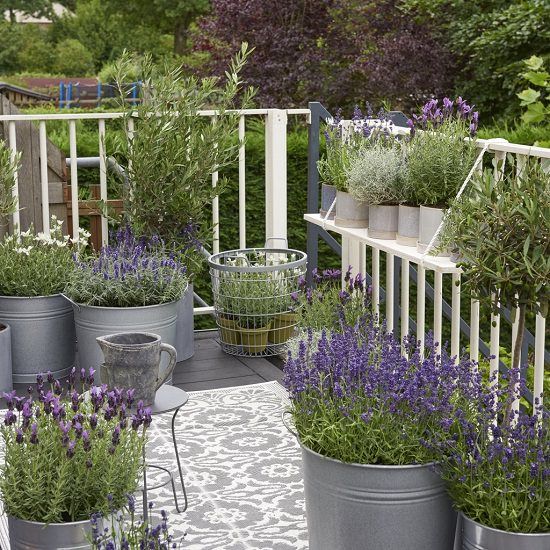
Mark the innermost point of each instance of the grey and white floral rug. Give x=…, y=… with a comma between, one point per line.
x=242, y=471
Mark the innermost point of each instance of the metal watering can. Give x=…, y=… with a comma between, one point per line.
x=132, y=360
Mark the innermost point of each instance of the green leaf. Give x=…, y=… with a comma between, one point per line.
x=535, y=113
x=528, y=96
x=534, y=62
x=539, y=78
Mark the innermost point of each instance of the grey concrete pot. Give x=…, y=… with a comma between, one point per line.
x=383, y=221
x=479, y=537
x=34, y=535
x=42, y=335
x=185, y=333
x=6, y=379
x=368, y=507
x=349, y=212
x=328, y=194
x=132, y=360
x=430, y=218
x=408, y=225
x=92, y=322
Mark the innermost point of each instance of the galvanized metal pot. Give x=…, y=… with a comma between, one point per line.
x=479, y=537
x=93, y=321
x=383, y=221
x=34, y=535
x=132, y=360
x=430, y=219
x=408, y=225
x=42, y=335
x=349, y=212
x=369, y=507
x=6, y=380
x=328, y=194
x=185, y=329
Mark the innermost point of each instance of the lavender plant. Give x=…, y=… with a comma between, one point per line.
x=38, y=264
x=65, y=451
x=376, y=175
x=129, y=532
x=130, y=272
x=496, y=461
x=326, y=306
x=356, y=398
x=345, y=140
x=440, y=156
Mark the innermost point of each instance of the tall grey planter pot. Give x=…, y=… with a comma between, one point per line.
x=185, y=337
x=6, y=379
x=383, y=221
x=479, y=537
x=408, y=225
x=42, y=335
x=328, y=194
x=352, y=506
x=349, y=212
x=430, y=219
x=31, y=535
x=94, y=321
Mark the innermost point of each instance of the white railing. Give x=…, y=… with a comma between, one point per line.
x=275, y=172
x=354, y=252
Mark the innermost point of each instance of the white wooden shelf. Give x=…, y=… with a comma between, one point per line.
x=440, y=264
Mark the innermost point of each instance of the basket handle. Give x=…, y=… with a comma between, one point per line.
x=269, y=239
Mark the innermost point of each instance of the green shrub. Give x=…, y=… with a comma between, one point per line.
x=73, y=59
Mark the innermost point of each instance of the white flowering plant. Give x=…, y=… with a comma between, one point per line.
x=37, y=264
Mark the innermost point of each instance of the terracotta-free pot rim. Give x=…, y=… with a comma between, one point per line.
x=386, y=467
x=76, y=304
x=493, y=529
x=2, y=297
x=32, y=522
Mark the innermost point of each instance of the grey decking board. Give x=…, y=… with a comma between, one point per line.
x=224, y=383
x=212, y=374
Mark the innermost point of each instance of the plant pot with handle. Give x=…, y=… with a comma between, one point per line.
x=6, y=380
x=429, y=221
x=383, y=221
x=408, y=225
x=350, y=212
x=328, y=194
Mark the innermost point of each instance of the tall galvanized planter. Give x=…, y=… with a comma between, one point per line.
x=185, y=334
x=42, y=335
x=6, y=380
x=94, y=321
x=479, y=537
x=369, y=507
x=34, y=535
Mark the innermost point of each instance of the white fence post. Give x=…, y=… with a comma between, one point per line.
x=275, y=178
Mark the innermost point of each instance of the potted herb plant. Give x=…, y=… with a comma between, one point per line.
x=170, y=154
x=439, y=158
x=361, y=410
x=495, y=463
x=375, y=176
x=35, y=270
x=66, y=455
x=132, y=285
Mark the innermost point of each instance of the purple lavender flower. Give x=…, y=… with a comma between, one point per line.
x=34, y=434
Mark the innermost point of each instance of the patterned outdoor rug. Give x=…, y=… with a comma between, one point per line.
x=242, y=471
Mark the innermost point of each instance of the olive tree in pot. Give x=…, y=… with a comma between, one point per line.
x=131, y=285
x=375, y=177
x=68, y=455
x=501, y=227
x=361, y=411
x=170, y=152
x=439, y=158
x=35, y=270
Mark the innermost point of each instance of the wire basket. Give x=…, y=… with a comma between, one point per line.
x=253, y=298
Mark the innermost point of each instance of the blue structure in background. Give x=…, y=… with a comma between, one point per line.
x=78, y=95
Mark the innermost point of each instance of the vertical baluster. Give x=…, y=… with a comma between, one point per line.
x=12, y=136
x=404, y=298
x=74, y=177
x=438, y=309
x=474, y=331
x=494, y=346
x=455, y=317
x=376, y=281
x=389, y=291
x=43, y=140
x=540, y=330
x=242, y=184
x=421, y=307
x=103, y=179
x=515, y=335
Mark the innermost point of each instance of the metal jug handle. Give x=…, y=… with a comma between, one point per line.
x=171, y=351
